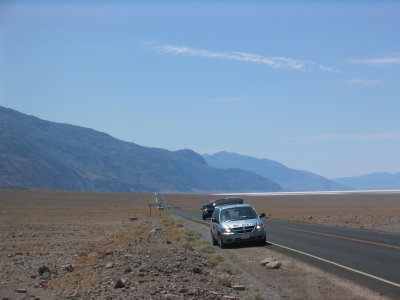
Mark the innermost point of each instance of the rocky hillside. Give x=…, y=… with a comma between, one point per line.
x=38, y=154
x=289, y=179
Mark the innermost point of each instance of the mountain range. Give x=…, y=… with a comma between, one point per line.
x=38, y=154
x=289, y=179
x=375, y=181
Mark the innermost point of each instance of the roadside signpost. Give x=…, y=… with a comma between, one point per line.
x=159, y=203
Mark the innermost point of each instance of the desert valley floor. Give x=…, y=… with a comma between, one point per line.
x=80, y=245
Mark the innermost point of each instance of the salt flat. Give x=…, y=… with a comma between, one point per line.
x=383, y=192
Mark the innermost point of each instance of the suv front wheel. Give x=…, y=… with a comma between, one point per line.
x=221, y=244
x=262, y=242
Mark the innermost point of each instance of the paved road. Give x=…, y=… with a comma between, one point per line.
x=369, y=257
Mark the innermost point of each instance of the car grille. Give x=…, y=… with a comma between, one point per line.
x=245, y=229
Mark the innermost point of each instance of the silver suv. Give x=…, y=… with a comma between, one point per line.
x=235, y=224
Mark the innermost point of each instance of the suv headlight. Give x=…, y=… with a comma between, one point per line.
x=226, y=230
x=259, y=227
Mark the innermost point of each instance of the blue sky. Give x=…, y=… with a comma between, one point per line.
x=312, y=84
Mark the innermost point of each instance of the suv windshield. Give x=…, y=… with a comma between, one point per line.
x=238, y=213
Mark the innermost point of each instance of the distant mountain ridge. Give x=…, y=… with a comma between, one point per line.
x=374, y=181
x=38, y=154
x=289, y=179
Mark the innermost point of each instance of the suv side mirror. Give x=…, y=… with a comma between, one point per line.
x=214, y=220
x=262, y=215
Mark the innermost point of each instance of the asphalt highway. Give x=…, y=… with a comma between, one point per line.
x=370, y=258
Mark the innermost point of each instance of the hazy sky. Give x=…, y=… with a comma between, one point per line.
x=312, y=84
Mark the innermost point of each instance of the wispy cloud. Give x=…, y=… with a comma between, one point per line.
x=352, y=137
x=328, y=69
x=275, y=62
x=377, y=61
x=363, y=81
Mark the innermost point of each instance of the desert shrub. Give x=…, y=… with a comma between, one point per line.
x=194, y=234
x=201, y=242
x=175, y=231
x=179, y=235
x=191, y=236
x=224, y=279
x=224, y=267
x=205, y=247
x=187, y=246
x=170, y=222
x=188, y=238
x=214, y=259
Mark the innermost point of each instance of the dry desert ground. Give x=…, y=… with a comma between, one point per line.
x=82, y=245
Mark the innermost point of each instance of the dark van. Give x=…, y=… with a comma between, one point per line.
x=208, y=208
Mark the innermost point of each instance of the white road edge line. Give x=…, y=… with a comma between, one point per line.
x=338, y=265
